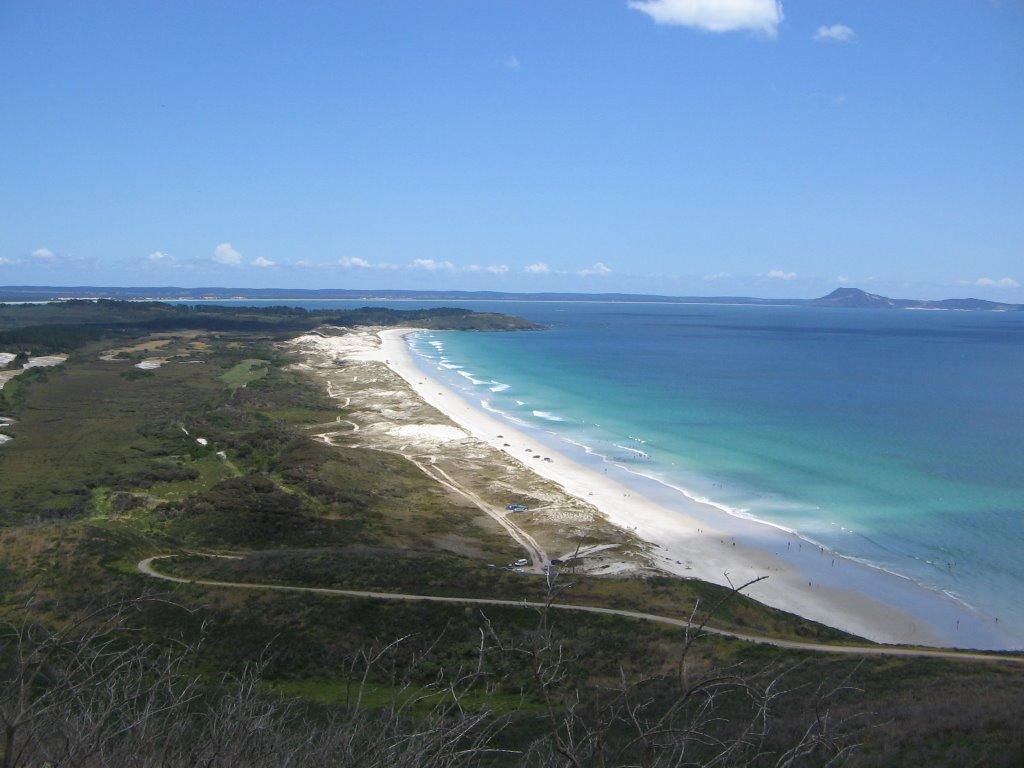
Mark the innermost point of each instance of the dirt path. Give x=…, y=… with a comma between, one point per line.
x=146, y=567
x=538, y=556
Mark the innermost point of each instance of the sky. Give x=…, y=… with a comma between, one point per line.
x=687, y=147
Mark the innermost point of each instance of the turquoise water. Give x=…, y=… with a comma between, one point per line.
x=892, y=437
x=896, y=438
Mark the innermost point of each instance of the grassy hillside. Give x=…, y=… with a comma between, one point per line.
x=110, y=464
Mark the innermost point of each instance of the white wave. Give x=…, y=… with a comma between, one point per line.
x=745, y=514
x=586, y=448
x=471, y=377
x=488, y=407
x=639, y=453
x=498, y=386
x=450, y=366
x=436, y=345
x=520, y=402
x=547, y=416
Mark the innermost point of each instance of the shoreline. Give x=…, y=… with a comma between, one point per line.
x=693, y=538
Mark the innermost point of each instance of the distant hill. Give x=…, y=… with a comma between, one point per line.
x=841, y=297
x=166, y=293
x=856, y=298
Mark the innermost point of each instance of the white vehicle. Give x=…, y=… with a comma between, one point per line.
x=521, y=562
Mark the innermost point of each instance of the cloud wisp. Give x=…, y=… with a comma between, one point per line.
x=227, y=255
x=834, y=33
x=600, y=268
x=262, y=262
x=1002, y=282
x=780, y=274
x=431, y=265
x=537, y=268
x=760, y=16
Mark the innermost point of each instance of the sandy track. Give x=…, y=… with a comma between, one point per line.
x=146, y=567
x=538, y=557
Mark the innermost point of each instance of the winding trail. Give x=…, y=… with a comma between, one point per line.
x=146, y=567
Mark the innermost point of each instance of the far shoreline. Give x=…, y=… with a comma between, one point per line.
x=695, y=539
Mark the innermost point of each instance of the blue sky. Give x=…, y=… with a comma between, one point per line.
x=669, y=146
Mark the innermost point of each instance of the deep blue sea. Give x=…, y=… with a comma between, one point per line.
x=894, y=437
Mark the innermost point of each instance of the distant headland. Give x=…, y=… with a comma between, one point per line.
x=841, y=297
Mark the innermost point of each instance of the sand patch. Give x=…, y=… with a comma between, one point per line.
x=360, y=345
x=433, y=433
x=45, y=361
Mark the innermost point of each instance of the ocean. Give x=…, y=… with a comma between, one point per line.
x=892, y=437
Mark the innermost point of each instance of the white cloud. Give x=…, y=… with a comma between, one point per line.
x=762, y=16
x=836, y=33
x=5, y=261
x=512, y=63
x=778, y=274
x=430, y=265
x=843, y=279
x=226, y=254
x=494, y=269
x=354, y=262
x=158, y=257
x=262, y=262
x=43, y=254
x=718, y=276
x=304, y=263
x=1003, y=282
x=597, y=269
x=538, y=268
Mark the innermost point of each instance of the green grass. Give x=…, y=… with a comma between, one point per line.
x=211, y=468
x=245, y=373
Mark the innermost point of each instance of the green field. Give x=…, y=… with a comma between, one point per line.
x=245, y=373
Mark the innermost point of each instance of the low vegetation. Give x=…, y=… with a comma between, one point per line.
x=69, y=325
x=105, y=469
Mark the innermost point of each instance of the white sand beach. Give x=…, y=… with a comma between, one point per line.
x=700, y=541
